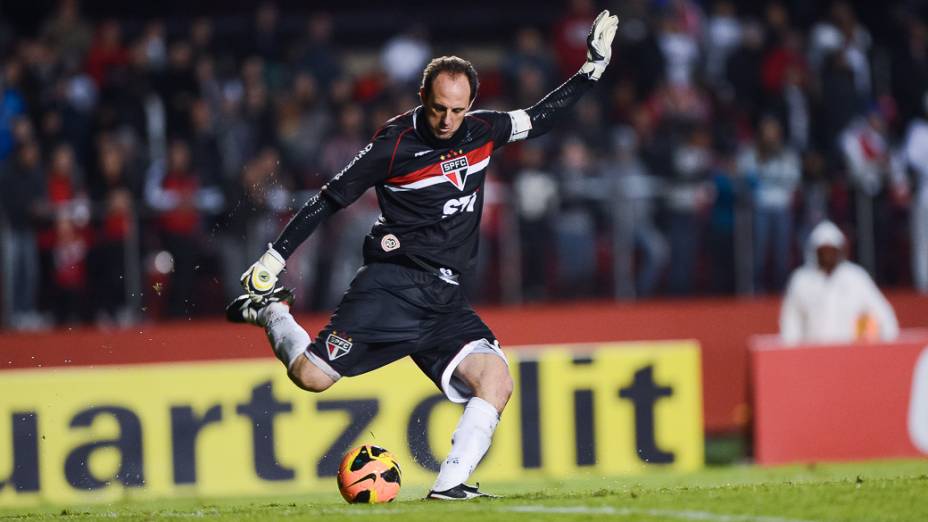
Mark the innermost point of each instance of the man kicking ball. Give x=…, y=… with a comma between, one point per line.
x=428, y=166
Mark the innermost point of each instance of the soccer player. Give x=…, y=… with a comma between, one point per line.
x=428, y=168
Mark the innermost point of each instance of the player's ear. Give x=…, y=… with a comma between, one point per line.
x=422, y=96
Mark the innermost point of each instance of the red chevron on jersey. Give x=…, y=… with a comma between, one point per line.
x=454, y=170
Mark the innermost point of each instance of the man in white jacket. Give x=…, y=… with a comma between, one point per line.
x=832, y=300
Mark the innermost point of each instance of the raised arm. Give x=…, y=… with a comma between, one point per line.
x=540, y=118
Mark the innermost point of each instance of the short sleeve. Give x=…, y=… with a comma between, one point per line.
x=506, y=127
x=368, y=168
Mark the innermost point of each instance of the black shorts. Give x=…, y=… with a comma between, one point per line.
x=393, y=310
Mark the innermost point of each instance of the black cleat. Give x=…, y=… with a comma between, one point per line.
x=459, y=492
x=244, y=310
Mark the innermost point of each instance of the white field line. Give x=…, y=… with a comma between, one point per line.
x=660, y=514
x=656, y=513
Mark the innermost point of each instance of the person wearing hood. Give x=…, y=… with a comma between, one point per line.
x=831, y=299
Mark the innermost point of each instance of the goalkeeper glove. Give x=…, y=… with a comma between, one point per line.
x=260, y=279
x=599, y=45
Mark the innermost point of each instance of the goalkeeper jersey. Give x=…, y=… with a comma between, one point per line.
x=430, y=191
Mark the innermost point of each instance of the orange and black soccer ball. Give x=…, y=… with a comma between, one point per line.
x=369, y=475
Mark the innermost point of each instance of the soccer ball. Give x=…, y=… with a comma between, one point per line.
x=369, y=475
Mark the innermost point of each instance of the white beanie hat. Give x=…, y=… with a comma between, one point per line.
x=826, y=233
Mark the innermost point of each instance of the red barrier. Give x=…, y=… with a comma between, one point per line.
x=844, y=402
x=722, y=327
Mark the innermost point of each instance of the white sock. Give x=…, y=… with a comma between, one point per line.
x=469, y=444
x=288, y=339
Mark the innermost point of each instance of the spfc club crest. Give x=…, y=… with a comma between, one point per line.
x=337, y=346
x=455, y=170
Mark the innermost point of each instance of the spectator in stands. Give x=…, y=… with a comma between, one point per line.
x=316, y=54
x=153, y=44
x=257, y=112
x=107, y=53
x=267, y=195
x=404, y=55
x=182, y=198
x=68, y=35
x=23, y=197
x=832, y=300
x=773, y=166
x=813, y=196
x=529, y=52
x=688, y=195
x=303, y=122
x=841, y=36
x=841, y=102
x=69, y=262
x=742, y=70
x=872, y=168
x=640, y=62
x=576, y=225
x=201, y=37
x=115, y=223
x=784, y=75
x=178, y=88
x=267, y=39
x=65, y=184
x=729, y=189
x=679, y=47
x=570, y=34
x=915, y=151
x=65, y=241
x=909, y=68
x=635, y=233
x=723, y=34
x=529, y=85
x=12, y=106
x=209, y=84
x=536, y=201
x=205, y=158
x=588, y=125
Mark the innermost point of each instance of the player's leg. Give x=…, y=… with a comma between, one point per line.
x=308, y=376
x=288, y=339
x=485, y=373
x=477, y=375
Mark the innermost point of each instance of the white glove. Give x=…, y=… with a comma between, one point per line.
x=599, y=45
x=261, y=278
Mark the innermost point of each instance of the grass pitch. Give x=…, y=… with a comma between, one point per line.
x=858, y=492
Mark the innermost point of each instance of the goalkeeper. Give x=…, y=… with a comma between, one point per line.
x=428, y=167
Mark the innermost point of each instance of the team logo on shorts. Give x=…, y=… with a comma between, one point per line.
x=336, y=346
x=389, y=243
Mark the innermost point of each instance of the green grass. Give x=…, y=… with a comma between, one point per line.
x=857, y=492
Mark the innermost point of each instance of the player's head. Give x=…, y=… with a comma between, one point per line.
x=449, y=86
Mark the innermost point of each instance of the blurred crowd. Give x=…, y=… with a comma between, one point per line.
x=145, y=165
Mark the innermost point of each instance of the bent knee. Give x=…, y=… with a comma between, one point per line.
x=495, y=386
x=507, y=386
x=308, y=376
x=504, y=387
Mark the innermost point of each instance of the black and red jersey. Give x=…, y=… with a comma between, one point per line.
x=430, y=191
